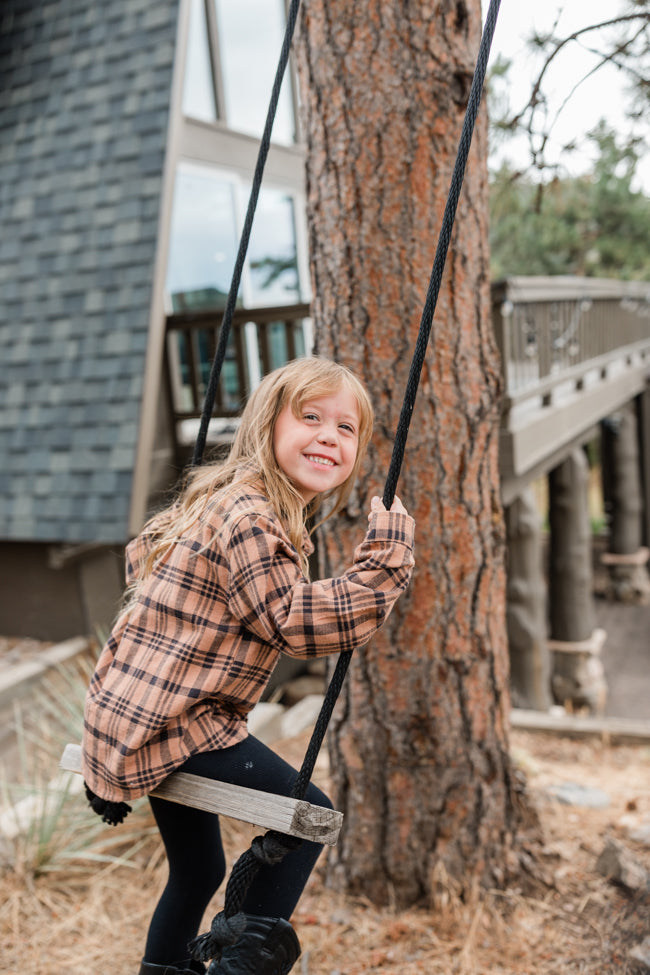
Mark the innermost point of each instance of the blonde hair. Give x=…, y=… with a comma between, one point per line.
x=251, y=462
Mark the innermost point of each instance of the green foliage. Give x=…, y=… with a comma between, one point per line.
x=595, y=225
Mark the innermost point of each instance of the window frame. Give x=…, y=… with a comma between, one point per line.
x=218, y=82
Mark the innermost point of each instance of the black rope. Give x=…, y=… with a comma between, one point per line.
x=228, y=924
x=441, y=254
x=226, y=322
x=273, y=846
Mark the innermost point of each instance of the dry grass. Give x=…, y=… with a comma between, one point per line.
x=73, y=923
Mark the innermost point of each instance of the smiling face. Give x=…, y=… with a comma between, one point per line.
x=317, y=449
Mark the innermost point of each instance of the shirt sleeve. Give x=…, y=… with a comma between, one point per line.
x=269, y=595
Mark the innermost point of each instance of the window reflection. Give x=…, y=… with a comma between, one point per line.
x=250, y=40
x=272, y=251
x=198, y=89
x=203, y=240
x=299, y=344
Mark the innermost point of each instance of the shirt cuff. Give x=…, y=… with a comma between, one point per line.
x=391, y=526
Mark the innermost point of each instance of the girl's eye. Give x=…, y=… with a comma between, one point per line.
x=309, y=416
x=347, y=427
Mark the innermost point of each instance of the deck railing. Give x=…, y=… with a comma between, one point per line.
x=260, y=339
x=557, y=330
x=573, y=351
x=562, y=340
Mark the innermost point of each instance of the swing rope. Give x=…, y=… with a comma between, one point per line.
x=226, y=321
x=273, y=846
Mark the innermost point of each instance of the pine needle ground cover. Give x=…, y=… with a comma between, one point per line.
x=85, y=906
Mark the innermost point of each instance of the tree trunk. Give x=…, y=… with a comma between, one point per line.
x=419, y=740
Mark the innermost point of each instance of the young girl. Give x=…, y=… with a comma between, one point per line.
x=218, y=589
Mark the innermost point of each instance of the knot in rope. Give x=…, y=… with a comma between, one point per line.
x=268, y=849
x=272, y=847
x=223, y=931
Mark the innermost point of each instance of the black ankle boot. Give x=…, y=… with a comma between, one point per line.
x=180, y=968
x=268, y=946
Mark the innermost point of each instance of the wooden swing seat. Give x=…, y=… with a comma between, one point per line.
x=294, y=817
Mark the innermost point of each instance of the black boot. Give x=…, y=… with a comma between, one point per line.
x=268, y=946
x=180, y=968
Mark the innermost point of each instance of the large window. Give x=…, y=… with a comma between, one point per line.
x=250, y=40
x=208, y=212
x=248, y=35
x=207, y=216
x=203, y=239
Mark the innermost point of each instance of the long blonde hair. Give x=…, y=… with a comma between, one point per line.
x=251, y=462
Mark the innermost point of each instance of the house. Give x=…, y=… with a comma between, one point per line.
x=129, y=134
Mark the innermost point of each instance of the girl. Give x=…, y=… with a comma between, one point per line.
x=218, y=589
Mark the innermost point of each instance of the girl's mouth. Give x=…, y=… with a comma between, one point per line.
x=319, y=459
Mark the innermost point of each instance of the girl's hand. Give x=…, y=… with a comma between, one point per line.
x=376, y=504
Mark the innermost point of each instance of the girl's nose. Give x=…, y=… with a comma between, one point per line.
x=327, y=435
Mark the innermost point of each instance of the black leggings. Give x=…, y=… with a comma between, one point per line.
x=195, y=854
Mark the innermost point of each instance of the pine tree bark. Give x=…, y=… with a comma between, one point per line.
x=419, y=739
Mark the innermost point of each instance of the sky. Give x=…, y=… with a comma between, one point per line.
x=600, y=96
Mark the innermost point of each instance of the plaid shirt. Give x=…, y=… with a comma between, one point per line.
x=180, y=673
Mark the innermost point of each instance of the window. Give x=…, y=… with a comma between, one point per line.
x=207, y=216
x=250, y=40
x=208, y=212
x=272, y=251
x=198, y=88
x=203, y=240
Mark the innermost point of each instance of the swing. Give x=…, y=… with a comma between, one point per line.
x=294, y=817
x=290, y=820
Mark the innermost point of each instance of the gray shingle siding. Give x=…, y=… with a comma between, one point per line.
x=84, y=109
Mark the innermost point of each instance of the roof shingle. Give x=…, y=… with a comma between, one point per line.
x=84, y=104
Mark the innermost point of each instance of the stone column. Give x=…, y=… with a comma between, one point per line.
x=575, y=642
x=526, y=605
x=627, y=557
x=643, y=421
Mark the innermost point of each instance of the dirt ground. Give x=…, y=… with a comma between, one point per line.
x=94, y=920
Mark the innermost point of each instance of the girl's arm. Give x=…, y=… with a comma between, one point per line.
x=270, y=596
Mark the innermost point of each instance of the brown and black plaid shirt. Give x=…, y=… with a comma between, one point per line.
x=180, y=673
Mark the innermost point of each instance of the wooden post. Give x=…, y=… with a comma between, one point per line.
x=627, y=558
x=526, y=605
x=570, y=572
x=625, y=483
x=643, y=424
x=578, y=677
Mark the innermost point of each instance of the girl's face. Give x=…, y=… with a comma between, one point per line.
x=317, y=450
